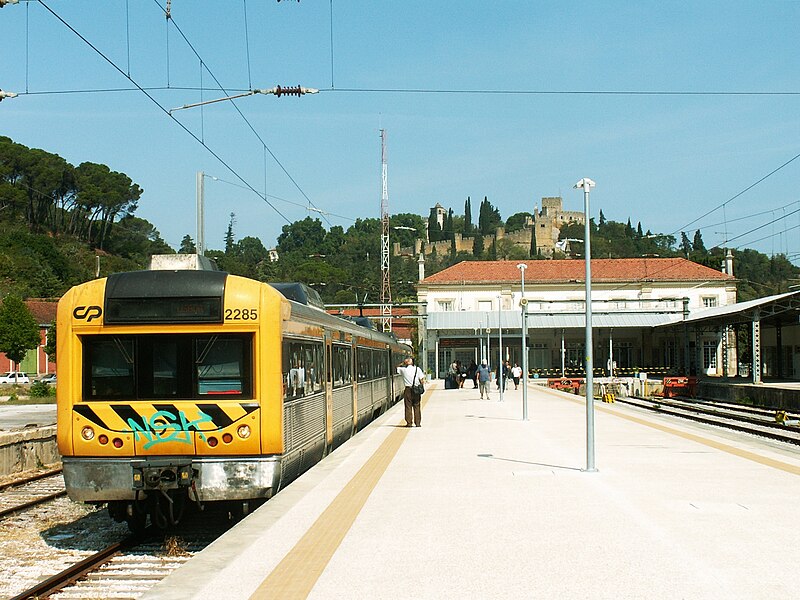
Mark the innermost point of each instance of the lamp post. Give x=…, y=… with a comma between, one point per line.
x=523, y=302
x=500, y=365
x=587, y=184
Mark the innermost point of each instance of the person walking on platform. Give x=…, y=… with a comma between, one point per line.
x=472, y=371
x=412, y=375
x=516, y=373
x=484, y=377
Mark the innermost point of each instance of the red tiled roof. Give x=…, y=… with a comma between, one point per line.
x=43, y=311
x=563, y=271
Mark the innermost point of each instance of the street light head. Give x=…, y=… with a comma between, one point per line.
x=7, y=94
x=585, y=183
x=522, y=266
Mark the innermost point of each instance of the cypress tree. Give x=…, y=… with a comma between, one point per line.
x=467, y=216
x=532, y=251
x=477, y=246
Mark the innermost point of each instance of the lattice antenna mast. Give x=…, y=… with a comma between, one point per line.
x=386, y=288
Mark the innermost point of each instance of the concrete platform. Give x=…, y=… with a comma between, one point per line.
x=480, y=504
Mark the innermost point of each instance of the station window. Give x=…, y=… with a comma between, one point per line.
x=709, y=301
x=445, y=305
x=709, y=355
x=303, y=368
x=166, y=366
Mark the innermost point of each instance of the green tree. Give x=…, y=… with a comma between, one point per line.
x=477, y=246
x=505, y=249
x=517, y=221
x=697, y=244
x=468, y=216
x=229, y=237
x=19, y=331
x=434, y=229
x=533, y=251
x=686, y=245
x=602, y=218
x=488, y=217
x=493, y=250
x=187, y=245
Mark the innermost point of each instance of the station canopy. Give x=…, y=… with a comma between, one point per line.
x=784, y=308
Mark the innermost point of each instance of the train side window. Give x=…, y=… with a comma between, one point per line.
x=110, y=372
x=342, y=366
x=303, y=368
x=364, y=356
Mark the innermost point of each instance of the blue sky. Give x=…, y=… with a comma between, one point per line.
x=662, y=159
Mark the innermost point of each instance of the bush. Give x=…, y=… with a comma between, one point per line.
x=39, y=389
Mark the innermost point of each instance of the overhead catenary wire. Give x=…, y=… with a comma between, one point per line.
x=238, y=110
x=158, y=104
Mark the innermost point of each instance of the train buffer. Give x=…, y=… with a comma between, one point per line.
x=567, y=384
x=679, y=386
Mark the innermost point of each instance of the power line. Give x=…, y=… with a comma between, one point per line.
x=748, y=188
x=238, y=110
x=762, y=227
x=512, y=92
x=164, y=110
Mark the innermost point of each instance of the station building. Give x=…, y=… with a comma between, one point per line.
x=470, y=306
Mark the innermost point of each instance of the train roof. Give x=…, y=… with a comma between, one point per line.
x=300, y=293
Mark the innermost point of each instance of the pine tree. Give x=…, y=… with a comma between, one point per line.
x=187, y=245
x=602, y=218
x=229, y=239
x=533, y=250
x=639, y=230
x=629, y=228
x=467, y=216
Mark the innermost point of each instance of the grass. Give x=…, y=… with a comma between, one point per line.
x=15, y=400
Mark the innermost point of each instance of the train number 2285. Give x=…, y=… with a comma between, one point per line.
x=241, y=314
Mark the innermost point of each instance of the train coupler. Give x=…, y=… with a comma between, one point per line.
x=149, y=476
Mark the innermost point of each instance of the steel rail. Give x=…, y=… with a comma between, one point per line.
x=73, y=573
x=656, y=406
x=29, y=479
x=31, y=503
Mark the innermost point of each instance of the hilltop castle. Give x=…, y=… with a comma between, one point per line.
x=547, y=224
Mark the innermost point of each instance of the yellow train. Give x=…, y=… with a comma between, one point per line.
x=198, y=386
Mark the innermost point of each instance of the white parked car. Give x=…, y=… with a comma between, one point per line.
x=49, y=379
x=14, y=377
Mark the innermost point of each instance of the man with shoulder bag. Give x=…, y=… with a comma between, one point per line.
x=413, y=379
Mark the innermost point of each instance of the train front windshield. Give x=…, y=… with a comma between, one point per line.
x=186, y=366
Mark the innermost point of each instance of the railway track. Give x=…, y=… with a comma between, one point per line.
x=27, y=493
x=128, y=568
x=755, y=421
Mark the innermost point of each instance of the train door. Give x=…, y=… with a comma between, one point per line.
x=328, y=393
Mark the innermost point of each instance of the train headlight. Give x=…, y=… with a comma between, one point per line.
x=243, y=431
x=87, y=433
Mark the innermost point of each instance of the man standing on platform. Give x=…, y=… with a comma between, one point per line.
x=412, y=375
x=484, y=376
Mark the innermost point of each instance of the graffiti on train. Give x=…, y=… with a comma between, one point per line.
x=164, y=426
